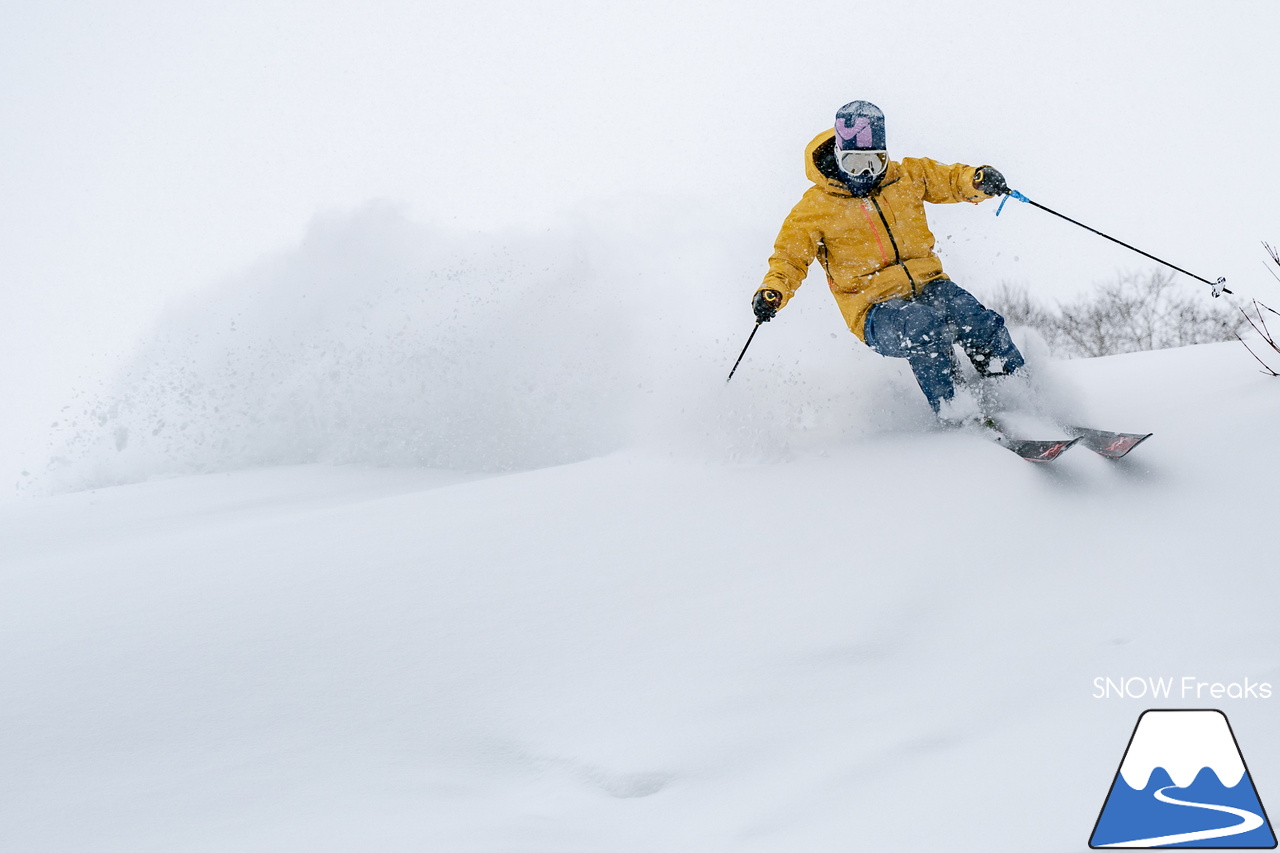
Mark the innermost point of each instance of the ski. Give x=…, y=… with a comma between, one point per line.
x=1113, y=445
x=1034, y=450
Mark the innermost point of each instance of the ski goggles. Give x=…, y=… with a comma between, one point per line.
x=860, y=163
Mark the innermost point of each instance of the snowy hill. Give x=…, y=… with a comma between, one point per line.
x=882, y=640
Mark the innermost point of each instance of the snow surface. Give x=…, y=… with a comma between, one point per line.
x=708, y=638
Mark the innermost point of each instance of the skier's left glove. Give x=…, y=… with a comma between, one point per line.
x=765, y=303
x=989, y=181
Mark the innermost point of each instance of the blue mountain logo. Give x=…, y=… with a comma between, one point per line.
x=1183, y=783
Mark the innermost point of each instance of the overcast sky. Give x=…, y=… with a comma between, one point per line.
x=153, y=148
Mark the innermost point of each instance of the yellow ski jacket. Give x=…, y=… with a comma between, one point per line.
x=873, y=248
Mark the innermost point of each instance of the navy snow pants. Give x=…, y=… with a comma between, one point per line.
x=924, y=329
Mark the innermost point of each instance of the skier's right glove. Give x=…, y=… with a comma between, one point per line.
x=989, y=181
x=765, y=304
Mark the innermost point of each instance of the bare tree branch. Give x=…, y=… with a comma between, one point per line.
x=1266, y=367
x=1272, y=251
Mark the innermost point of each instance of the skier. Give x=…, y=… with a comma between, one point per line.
x=864, y=221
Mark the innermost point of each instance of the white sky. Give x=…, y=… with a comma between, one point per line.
x=152, y=148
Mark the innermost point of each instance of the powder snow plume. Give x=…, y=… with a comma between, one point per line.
x=375, y=341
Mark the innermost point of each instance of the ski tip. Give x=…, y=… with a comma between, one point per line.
x=1050, y=450
x=1119, y=448
x=1040, y=451
x=1113, y=445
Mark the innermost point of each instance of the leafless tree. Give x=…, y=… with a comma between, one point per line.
x=1135, y=312
x=1258, y=320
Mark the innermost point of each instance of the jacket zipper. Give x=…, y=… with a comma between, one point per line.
x=871, y=226
x=897, y=256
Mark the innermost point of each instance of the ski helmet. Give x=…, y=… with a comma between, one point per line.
x=859, y=146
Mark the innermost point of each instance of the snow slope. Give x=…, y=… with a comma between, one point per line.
x=882, y=640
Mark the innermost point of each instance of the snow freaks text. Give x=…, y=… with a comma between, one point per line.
x=1186, y=687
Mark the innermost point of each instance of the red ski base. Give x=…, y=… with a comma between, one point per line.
x=1037, y=451
x=1112, y=445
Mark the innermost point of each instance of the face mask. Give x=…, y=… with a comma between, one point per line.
x=862, y=187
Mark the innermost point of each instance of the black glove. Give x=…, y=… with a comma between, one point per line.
x=989, y=181
x=765, y=304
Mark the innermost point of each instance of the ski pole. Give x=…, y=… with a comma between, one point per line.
x=744, y=350
x=1217, y=286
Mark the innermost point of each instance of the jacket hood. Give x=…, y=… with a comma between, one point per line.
x=820, y=165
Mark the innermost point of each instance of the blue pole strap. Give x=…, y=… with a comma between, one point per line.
x=1011, y=194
